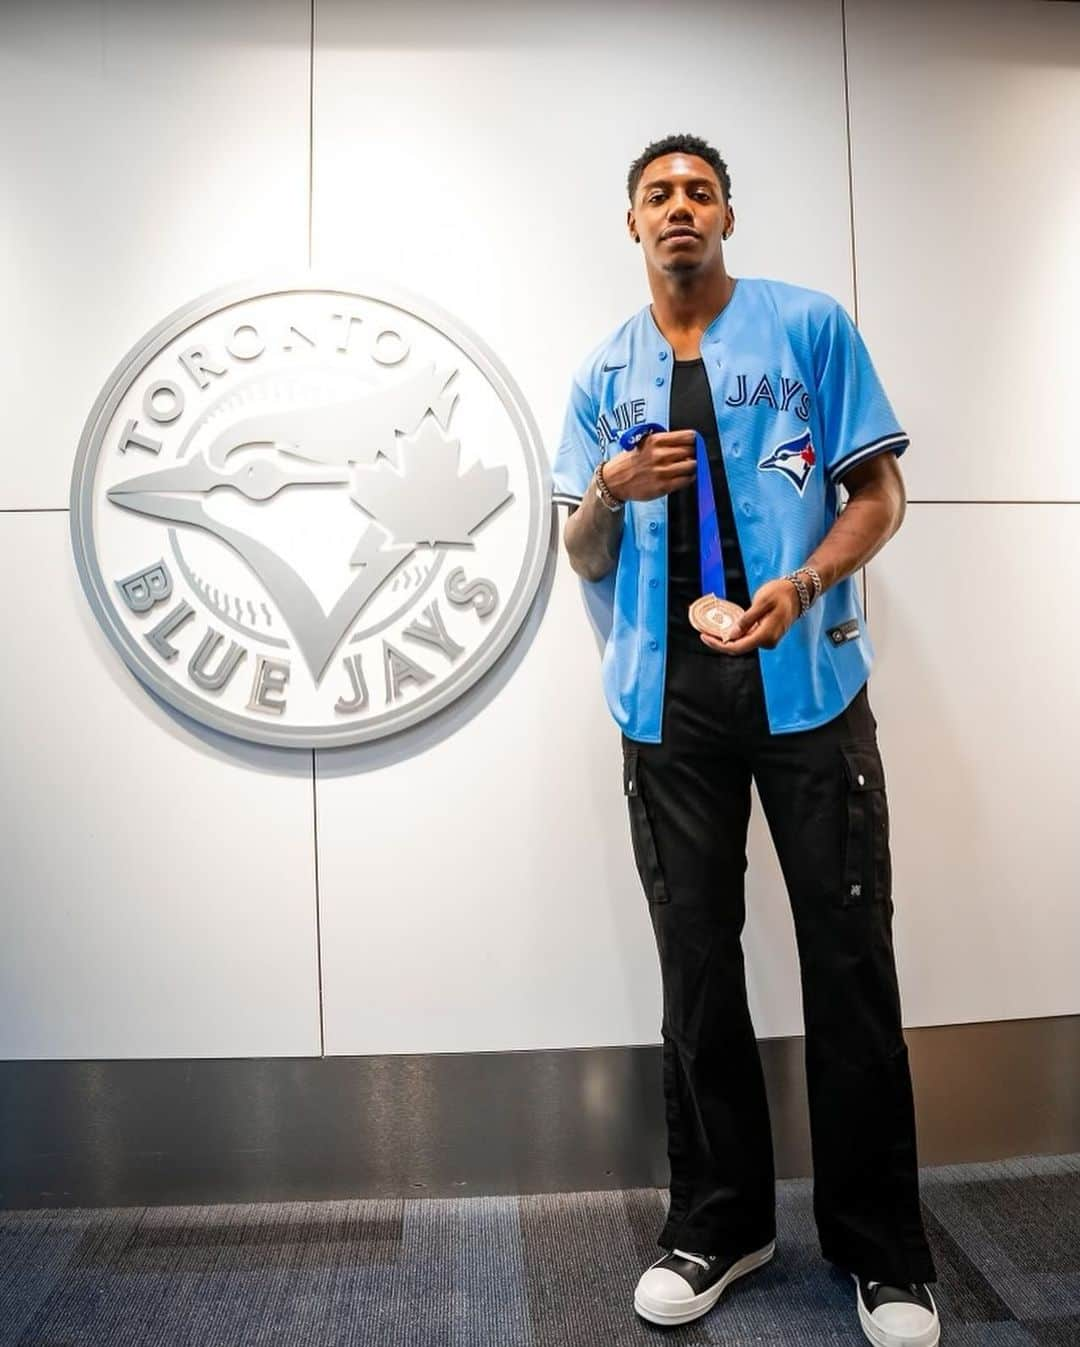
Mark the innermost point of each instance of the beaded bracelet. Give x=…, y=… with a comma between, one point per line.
x=604, y=491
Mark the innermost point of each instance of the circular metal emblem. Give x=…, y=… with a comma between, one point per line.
x=713, y=616
x=310, y=514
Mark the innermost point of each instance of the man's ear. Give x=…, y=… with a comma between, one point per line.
x=631, y=224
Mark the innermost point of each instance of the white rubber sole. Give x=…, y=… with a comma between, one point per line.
x=699, y=1305
x=881, y=1338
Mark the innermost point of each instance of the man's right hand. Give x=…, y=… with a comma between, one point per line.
x=663, y=462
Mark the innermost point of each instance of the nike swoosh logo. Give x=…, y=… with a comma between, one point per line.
x=608, y=367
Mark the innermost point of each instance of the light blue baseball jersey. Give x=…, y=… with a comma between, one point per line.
x=798, y=403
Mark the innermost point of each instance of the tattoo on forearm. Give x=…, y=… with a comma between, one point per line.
x=593, y=535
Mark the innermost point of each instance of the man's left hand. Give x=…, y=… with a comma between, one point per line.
x=774, y=609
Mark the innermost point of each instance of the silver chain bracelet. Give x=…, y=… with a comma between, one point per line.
x=809, y=570
x=805, y=596
x=801, y=590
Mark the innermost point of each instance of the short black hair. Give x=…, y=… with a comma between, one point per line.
x=682, y=144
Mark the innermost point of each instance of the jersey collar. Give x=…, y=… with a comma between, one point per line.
x=711, y=333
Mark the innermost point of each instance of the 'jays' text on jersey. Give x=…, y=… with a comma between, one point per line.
x=798, y=403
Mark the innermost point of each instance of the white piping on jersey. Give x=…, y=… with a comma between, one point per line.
x=866, y=451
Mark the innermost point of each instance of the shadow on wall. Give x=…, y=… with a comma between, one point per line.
x=599, y=600
x=928, y=736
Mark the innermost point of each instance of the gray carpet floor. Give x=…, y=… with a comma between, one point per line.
x=546, y=1271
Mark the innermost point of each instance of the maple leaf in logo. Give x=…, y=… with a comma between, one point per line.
x=427, y=499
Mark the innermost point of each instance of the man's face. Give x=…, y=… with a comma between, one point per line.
x=679, y=213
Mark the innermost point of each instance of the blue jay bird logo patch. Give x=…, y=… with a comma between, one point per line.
x=794, y=458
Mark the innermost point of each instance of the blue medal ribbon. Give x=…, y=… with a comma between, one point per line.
x=712, y=560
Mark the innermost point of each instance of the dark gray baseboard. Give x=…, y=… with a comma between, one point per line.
x=119, y=1133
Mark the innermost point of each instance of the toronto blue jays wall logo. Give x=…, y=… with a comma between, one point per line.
x=310, y=512
x=795, y=459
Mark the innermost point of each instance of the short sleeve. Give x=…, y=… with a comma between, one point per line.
x=856, y=416
x=577, y=455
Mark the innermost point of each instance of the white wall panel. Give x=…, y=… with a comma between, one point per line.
x=477, y=890
x=480, y=894
x=965, y=121
x=975, y=694
x=158, y=879
x=477, y=153
x=477, y=886
x=148, y=152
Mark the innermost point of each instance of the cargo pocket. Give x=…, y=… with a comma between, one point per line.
x=641, y=831
x=867, y=869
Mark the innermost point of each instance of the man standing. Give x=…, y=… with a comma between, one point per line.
x=777, y=382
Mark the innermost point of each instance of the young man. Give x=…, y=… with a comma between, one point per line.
x=777, y=381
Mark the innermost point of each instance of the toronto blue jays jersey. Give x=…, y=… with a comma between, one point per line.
x=798, y=403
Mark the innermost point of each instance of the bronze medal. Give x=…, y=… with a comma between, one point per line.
x=714, y=617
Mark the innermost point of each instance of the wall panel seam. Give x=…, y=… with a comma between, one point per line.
x=850, y=171
x=315, y=871
x=311, y=130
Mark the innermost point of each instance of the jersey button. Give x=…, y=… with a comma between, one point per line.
x=653, y=582
x=653, y=525
x=663, y=355
x=654, y=645
x=659, y=381
x=746, y=507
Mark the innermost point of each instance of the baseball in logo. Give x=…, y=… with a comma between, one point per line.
x=310, y=514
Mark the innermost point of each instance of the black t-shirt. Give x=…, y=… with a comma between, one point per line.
x=692, y=409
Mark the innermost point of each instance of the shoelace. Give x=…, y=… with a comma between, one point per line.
x=911, y=1286
x=693, y=1257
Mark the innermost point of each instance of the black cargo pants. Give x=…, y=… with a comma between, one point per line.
x=823, y=793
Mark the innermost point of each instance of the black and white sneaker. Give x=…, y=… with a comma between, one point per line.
x=682, y=1286
x=897, y=1316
